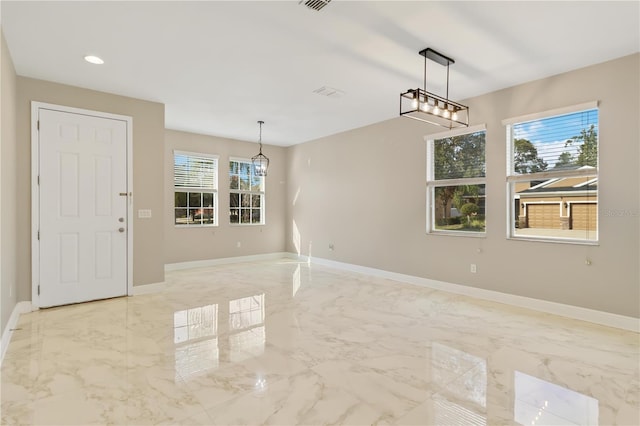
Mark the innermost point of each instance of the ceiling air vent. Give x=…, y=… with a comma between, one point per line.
x=329, y=92
x=315, y=4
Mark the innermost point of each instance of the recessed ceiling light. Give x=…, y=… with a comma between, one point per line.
x=93, y=60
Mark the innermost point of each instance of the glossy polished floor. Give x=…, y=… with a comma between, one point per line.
x=284, y=343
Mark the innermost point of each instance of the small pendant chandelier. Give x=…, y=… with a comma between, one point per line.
x=429, y=107
x=260, y=162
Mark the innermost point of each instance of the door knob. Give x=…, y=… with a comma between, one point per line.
x=120, y=229
x=121, y=219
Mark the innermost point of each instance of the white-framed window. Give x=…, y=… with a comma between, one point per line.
x=456, y=182
x=246, y=193
x=195, y=182
x=552, y=175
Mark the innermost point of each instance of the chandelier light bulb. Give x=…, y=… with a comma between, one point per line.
x=454, y=116
x=446, y=113
x=436, y=110
x=414, y=104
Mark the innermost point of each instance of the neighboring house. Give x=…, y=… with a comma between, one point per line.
x=559, y=203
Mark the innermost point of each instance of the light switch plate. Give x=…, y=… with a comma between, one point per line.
x=144, y=214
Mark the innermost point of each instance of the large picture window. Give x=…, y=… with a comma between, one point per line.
x=246, y=194
x=552, y=175
x=456, y=182
x=195, y=181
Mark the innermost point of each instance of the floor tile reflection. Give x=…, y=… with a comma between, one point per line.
x=285, y=343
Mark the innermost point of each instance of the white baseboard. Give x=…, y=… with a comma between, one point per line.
x=223, y=261
x=156, y=287
x=20, y=308
x=568, y=311
x=148, y=288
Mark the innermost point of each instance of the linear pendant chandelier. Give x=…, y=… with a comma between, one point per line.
x=429, y=107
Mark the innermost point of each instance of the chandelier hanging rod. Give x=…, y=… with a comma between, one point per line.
x=260, y=122
x=439, y=58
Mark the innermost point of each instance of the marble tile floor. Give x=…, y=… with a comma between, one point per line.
x=285, y=343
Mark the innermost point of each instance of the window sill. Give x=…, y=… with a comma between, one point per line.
x=468, y=234
x=246, y=224
x=195, y=226
x=556, y=240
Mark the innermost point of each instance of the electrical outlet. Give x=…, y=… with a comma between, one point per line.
x=473, y=268
x=331, y=247
x=238, y=244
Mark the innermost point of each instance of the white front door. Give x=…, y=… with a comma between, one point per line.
x=82, y=207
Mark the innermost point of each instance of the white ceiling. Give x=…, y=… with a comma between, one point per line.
x=220, y=66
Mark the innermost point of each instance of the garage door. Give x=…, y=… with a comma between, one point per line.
x=545, y=216
x=584, y=216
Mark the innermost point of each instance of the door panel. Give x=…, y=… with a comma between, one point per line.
x=104, y=260
x=69, y=183
x=103, y=190
x=83, y=170
x=69, y=257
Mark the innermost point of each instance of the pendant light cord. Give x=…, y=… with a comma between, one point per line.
x=260, y=140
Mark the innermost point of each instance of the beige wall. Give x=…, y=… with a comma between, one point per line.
x=148, y=174
x=364, y=192
x=8, y=185
x=197, y=243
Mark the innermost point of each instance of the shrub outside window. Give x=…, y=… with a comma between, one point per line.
x=195, y=181
x=456, y=182
x=246, y=194
x=552, y=175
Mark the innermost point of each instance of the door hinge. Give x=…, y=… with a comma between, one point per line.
x=38, y=289
x=38, y=179
x=38, y=235
x=38, y=124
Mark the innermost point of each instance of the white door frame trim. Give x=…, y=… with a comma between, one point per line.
x=35, y=190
